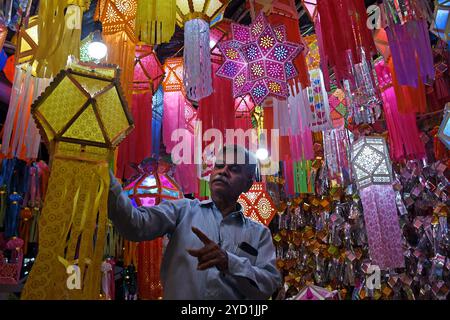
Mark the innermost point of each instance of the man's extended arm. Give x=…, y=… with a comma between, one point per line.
x=143, y=223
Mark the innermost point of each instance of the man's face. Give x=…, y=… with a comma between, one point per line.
x=229, y=179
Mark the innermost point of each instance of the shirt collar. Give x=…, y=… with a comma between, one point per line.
x=238, y=212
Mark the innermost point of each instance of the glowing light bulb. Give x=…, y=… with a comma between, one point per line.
x=262, y=153
x=97, y=50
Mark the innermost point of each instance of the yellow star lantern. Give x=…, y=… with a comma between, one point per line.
x=83, y=117
x=257, y=204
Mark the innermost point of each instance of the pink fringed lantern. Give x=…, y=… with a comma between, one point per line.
x=148, y=74
x=179, y=116
x=404, y=136
x=373, y=175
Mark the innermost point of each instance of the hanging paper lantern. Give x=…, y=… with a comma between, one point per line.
x=148, y=72
x=21, y=138
x=151, y=185
x=83, y=117
x=155, y=20
x=27, y=42
x=441, y=24
x=10, y=268
x=373, y=173
x=173, y=81
x=257, y=204
x=444, y=129
x=259, y=60
x=318, y=110
x=313, y=56
x=371, y=163
x=196, y=16
x=243, y=106
x=338, y=108
x=84, y=51
x=311, y=8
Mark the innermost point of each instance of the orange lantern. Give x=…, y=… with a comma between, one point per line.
x=257, y=204
x=173, y=81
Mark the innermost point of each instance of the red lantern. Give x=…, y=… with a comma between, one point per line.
x=257, y=204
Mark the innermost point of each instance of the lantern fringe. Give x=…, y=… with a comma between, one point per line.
x=382, y=225
x=197, y=60
x=21, y=137
x=56, y=40
x=72, y=231
x=155, y=20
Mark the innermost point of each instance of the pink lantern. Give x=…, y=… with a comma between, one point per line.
x=259, y=60
x=10, y=270
x=313, y=292
x=338, y=108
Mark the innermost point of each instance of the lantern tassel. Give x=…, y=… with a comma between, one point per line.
x=197, y=60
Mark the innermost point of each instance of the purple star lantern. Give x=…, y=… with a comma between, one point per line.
x=259, y=60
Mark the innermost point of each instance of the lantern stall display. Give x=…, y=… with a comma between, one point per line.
x=196, y=16
x=148, y=74
x=441, y=23
x=149, y=187
x=155, y=21
x=259, y=60
x=83, y=116
x=118, y=22
x=257, y=204
x=444, y=129
x=373, y=175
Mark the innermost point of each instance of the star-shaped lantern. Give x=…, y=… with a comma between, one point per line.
x=259, y=60
x=257, y=204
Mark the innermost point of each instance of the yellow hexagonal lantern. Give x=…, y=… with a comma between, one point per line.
x=82, y=116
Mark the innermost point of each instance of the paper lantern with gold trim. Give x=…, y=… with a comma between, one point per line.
x=257, y=204
x=82, y=116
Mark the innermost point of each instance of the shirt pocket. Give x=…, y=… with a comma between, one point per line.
x=247, y=251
